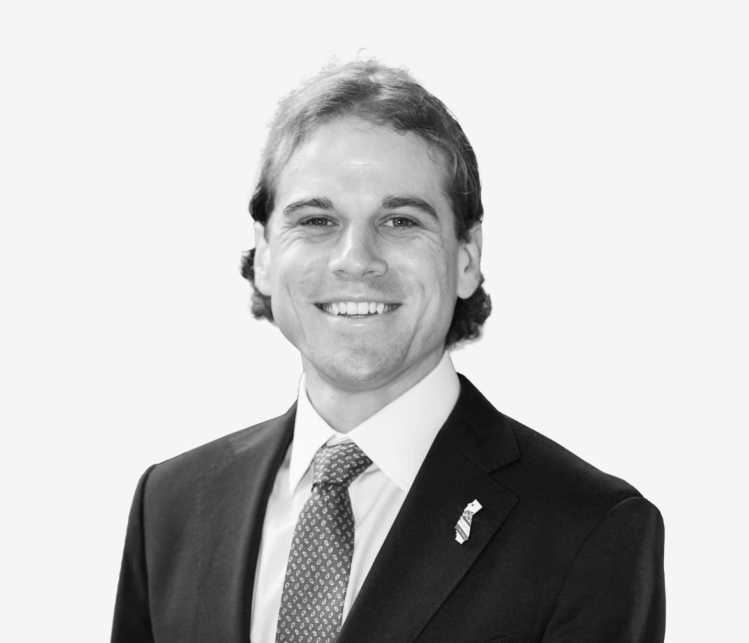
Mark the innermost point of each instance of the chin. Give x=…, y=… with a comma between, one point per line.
x=360, y=370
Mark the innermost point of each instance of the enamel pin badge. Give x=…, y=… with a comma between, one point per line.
x=463, y=526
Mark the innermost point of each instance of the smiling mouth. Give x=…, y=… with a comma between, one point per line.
x=357, y=308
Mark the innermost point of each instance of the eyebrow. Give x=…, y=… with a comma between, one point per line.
x=390, y=202
x=393, y=202
x=320, y=203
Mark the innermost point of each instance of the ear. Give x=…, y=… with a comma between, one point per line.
x=469, y=262
x=261, y=261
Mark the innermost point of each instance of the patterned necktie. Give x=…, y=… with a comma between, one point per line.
x=320, y=558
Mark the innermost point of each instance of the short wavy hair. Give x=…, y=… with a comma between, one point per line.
x=384, y=96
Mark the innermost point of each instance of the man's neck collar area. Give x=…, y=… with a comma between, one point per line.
x=410, y=421
x=442, y=370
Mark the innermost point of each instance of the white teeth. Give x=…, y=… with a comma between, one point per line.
x=356, y=308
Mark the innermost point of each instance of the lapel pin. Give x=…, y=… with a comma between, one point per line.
x=463, y=526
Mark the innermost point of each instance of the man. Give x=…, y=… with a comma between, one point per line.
x=391, y=502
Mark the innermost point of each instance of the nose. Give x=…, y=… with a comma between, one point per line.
x=357, y=254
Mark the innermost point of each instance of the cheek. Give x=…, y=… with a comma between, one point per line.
x=297, y=270
x=434, y=265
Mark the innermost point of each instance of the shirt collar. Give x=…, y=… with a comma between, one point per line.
x=396, y=438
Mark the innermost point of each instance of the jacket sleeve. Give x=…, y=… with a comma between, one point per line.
x=615, y=590
x=132, y=620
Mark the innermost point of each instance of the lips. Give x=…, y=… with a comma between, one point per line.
x=356, y=308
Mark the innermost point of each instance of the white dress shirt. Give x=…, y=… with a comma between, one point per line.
x=396, y=439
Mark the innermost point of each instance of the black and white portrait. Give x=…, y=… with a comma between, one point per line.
x=374, y=323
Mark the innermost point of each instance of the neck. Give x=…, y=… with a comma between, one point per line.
x=345, y=408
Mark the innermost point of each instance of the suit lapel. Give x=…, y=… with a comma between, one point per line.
x=234, y=495
x=420, y=562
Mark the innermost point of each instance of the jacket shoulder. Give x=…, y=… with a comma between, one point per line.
x=528, y=462
x=180, y=473
x=551, y=475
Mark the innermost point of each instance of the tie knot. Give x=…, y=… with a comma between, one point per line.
x=339, y=464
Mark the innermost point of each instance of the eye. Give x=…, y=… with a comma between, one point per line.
x=400, y=221
x=317, y=221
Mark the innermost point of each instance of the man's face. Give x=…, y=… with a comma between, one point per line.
x=360, y=256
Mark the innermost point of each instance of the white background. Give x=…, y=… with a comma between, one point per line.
x=614, y=151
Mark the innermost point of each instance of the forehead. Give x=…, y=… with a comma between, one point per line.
x=350, y=153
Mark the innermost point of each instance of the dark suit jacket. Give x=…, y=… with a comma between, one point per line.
x=559, y=552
